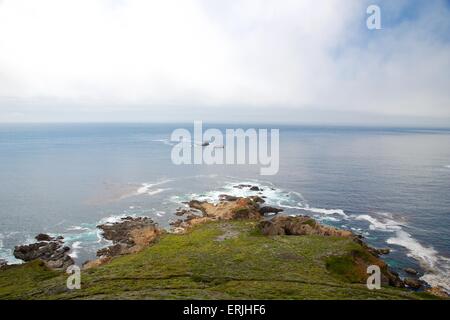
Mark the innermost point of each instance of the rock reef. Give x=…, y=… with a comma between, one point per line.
x=48, y=249
x=129, y=235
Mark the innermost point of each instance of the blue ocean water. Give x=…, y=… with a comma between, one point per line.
x=391, y=185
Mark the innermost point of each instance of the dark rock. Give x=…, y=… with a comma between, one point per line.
x=393, y=278
x=43, y=237
x=268, y=209
x=255, y=188
x=51, y=252
x=411, y=271
x=3, y=263
x=257, y=199
x=176, y=223
x=384, y=251
x=413, y=283
x=241, y=186
x=226, y=197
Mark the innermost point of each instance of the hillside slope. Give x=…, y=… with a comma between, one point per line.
x=215, y=260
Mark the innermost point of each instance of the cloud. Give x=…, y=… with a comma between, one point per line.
x=89, y=59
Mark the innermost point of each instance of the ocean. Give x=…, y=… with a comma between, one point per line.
x=390, y=185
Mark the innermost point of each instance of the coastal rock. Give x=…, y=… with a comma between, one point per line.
x=128, y=235
x=51, y=252
x=411, y=271
x=96, y=263
x=383, y=251
x=3, y=263
x=257, y=199
x=413, y=283
x=268, y=209
x=43, y=237
x=228, y=208
x=242, y=186
x=226, y=197
x=255, y=188
x=299, y=225
x=438, y=292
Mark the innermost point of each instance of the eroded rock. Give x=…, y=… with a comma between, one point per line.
x=52, y=252
x=411, y=271
x=299, y=225
x=269, y=209
x=413, y=283
x=44, y=237
x=128, y=235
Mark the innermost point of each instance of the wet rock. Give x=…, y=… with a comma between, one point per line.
x=43, y=237
x=384, y=250
x=51, y=252
x=177, y=223
x=3, y=263
x=299, y=225
x=257, y=199
x=255, y=188
x=393, y=278
x=375, y=251
x=413, y=283
x=411, y=271
x=226, y=197
x=242, y=186
x=128, y=235
x=268, y=209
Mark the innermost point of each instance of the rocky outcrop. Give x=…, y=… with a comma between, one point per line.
x=227, y=197
x=43, y=237
x=411, y=271
x=438, y=292
x=249, y=187
x=241, y=208
x=3, y=263
x=128, y=235
x=413, y=283
x=381, y=251
x=267, y=210
x=299, y=225
x=52, y=252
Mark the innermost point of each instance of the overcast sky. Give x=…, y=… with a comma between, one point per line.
x=235, y=60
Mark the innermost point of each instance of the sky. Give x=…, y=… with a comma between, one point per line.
x=290, y=61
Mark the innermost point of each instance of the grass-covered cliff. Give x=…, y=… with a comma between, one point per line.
x=224, y=259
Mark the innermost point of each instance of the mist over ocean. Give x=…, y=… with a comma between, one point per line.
x=390, y=185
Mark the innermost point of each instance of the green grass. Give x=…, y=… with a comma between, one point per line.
x=198, y=266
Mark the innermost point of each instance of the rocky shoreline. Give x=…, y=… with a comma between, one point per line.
x=133, y=234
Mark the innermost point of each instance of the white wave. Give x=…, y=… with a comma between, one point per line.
x=146, y=188
x=388, y=225
x=164, y=141
x=326, y=218
x=115, y=218
x=326, y=211
x=437, y=268
x=77, y=228
x=75, y=249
